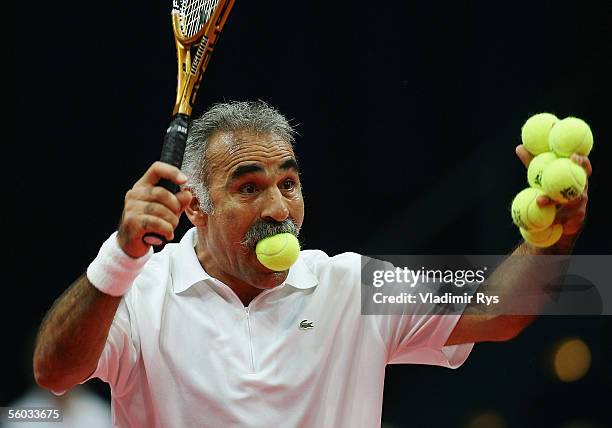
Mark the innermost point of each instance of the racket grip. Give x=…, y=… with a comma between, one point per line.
x=172, y=153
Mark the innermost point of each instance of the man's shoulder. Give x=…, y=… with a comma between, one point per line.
x=320, y=262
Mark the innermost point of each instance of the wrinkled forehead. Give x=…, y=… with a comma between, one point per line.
x=231, y=143
x=227, y=149
x=232, y=140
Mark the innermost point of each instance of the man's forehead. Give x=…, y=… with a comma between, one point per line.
x=228, y=150
x=233, y=141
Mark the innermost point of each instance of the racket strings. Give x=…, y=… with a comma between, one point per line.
x=195, y=14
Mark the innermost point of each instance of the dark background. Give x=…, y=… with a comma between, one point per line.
x=408, y=115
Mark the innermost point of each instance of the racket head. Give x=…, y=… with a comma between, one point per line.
x=197, y=25
x=191, y=19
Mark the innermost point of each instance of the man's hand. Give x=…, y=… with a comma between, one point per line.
x=571, y=215
x=151, y=208
x=508, y=280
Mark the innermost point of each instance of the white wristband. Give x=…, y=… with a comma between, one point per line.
x=112, y=271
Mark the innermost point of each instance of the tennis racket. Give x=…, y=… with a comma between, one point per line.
x=197, y=25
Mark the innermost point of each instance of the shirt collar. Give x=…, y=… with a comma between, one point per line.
x=186, y=269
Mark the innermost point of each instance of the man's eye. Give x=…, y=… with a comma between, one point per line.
x=248, y=188
x=288, y=184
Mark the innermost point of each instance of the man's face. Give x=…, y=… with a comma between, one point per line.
x=253, y=178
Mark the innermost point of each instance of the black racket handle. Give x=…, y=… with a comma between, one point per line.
x=172, y=153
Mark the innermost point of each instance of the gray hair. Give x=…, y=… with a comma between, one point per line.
x=254, y=116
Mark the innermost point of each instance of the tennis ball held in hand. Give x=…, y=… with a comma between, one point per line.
x=543, y=238
x=571, y=135
x=278, y=252
x=526, y=212
x=536, y=168
x=563, y=180
x=535, y=132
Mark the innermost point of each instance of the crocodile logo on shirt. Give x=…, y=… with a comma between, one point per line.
x=305, y=325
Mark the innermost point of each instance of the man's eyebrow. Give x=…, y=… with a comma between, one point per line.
x=246, y=169
x=290, y=164
x=251, y=168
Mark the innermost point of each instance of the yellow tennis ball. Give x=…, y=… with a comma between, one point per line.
x=278, y=252
x=526, y=212
x=571, y=135
x=563, y=180
x=543, y=238
x=535, y=130
x=536, y=167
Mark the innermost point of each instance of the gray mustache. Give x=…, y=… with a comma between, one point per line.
x=263, y=229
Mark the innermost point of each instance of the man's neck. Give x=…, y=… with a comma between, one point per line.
x=243, y=289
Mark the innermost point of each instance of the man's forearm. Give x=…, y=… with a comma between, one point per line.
x=524, y=279
x=523, y=282
x=72, y=335
x=523, y=285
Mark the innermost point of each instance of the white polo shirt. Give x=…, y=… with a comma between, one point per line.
x=183, y=351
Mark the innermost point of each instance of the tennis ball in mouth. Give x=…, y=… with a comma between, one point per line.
x=278, y=252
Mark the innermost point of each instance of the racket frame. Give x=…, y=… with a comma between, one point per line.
x=191, y=65
x=193, y=62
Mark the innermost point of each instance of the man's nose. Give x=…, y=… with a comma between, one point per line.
x=275, y=206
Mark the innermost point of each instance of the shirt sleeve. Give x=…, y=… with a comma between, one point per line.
x=417, y=333
x=420, y=339
x=121, y=352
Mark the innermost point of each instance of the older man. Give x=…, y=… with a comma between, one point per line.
x=201, y=334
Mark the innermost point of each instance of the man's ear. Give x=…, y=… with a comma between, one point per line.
x=195, y=214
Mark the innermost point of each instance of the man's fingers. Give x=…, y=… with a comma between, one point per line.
x=572, y=225
x=543, y=200
x=154, y=194
x=160, y=170
x=524, y=156
x=139, y=225
x=150, y=208
x=584, y=162
x=134, y=226
x=184, y=197
x=579, y=201
x=569, y=211
x=157, y=210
